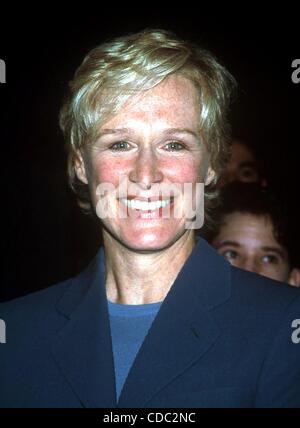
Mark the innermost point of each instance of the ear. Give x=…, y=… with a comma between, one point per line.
x=80, y=168
x=294, y=278
x=210, y=176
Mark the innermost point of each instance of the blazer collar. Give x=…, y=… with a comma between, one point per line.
x=83, y=348
x=183, y=330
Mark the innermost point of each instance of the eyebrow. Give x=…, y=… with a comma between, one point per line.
x=232, y=243
x=180, y=131
x=169, y=131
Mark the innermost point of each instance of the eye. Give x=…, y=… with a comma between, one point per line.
x=120, y=146
x=230, y=254
x=248, y=174
x=269, y=258
x=175, y=146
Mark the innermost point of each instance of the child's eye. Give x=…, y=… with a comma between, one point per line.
x=269, y=259
x=120, y=145
x=230, y=254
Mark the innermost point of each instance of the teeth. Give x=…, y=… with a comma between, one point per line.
x=135, y=204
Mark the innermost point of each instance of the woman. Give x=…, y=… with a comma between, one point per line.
x=157, y=319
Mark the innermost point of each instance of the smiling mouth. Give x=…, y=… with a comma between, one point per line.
x=137, y=204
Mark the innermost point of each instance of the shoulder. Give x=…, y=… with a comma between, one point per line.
x=45, y=311
x=247, y=299
x=44, y=300
x=261, y=291
x=41, y=299
x=239, y=288
x=262, y=304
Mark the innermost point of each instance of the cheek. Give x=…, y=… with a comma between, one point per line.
x=183, y=171
x=106, y=171
x=281, y=270
x=277, y=272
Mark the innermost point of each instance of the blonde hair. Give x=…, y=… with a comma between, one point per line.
x=116, y=70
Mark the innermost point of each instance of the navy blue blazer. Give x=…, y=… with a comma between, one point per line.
x=222, y=338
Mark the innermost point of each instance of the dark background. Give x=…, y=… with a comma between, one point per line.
x=45, y=238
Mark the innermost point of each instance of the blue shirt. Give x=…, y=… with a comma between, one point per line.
x=129, y=326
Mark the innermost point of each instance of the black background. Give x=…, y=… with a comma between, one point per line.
x=45, y=238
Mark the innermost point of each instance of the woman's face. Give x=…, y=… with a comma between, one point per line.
x=151, y=146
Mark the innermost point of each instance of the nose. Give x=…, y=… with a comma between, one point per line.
x=250, y=264
x=146, y=169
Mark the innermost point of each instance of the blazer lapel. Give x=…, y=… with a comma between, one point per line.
x=82, y=349
x=184, y=328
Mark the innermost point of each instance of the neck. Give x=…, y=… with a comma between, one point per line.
x=136, y=278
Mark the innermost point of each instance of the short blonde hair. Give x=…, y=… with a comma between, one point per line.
x=114, y=71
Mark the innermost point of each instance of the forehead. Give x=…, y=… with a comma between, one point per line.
x=248, y=226
x=173, y=102
x=241, y=153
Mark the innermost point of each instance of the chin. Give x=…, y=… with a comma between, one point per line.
x=149, y=239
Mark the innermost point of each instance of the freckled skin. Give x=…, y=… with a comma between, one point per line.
x=171, y=104
x=251, y=235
